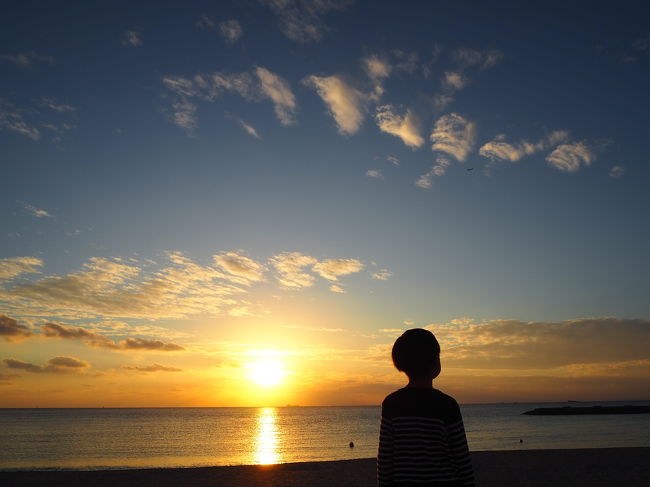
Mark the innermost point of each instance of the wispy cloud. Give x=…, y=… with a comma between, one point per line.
x=302, y=20
x=249, y=129
x=55, y=330
x=335, y=288
x=37, y=212
x=27, y=59
x=616, y=172
x=453, y=135
x=569, y=157
x=331, y=269
x=290, y=267
x=131, y=38
x=393, y=160
x=278, y=91
x=378, y=70
x=11, y=118
x=240, y=266
x=345, y=103
x=513, y=344
x=14, y=266
x=230, y=30
x=482, y=59
x=499, y=150
x=11, y=331
x=374, y=173
x=52, y=104
x=56, y=365
x=205, y=22
x=259, y=85
x=382, y=275
x=406, y=127
x=439, y=169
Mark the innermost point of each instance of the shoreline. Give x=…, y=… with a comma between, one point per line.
x=629, y=466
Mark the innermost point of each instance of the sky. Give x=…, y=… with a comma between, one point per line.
x=245, y=203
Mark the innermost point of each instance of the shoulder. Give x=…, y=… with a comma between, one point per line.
x=393, y=398
x=448, y=404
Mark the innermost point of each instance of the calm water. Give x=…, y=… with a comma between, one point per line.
x=125, y=438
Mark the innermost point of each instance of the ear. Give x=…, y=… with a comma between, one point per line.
x=437, y=367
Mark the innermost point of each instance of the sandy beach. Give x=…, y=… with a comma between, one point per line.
x=588, y=467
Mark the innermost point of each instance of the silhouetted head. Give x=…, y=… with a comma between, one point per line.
x=417, y=353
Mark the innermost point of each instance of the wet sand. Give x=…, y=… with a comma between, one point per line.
x=629, y=467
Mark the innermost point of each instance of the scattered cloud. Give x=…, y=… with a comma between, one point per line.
x=37, y=212
x=425, y=181
x=290, y=267
x=259, y=85
x=230, y=30
x=498, y=150
x=406, y=127
x=52, y=104
x=302, y=20
x=453, y=135
x=569, y=157
x=345, y=103
x=278, y=90
x=616, y=172
x=249, y=129
x=513, y=344
x=331, y=269
x=335, y=288
x=27, y=59
x=454, y=80
x=240, y=266
x=56, y=365
x=382, y=275
x=374, y=173
x=110, y=288
x=145, y=344
x=205, y=22
x=11, y=118
x=151, y=368
x=14, y=266
x=11, y=331
x=131, y=38
x=377, y=70
x=393, y=160
x=90, y=338
x=482, y=59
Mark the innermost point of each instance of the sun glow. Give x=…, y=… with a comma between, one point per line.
x=267, y=371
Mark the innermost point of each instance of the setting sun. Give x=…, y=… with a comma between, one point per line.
x=267, y=371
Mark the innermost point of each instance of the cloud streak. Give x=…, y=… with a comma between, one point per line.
x=570, y=157
x=345, y=103
x=498, y=150
x=406, y=127
x=302, y=20
x=258, y=85
x=11, y=331
x=56, y=365
x=454, y=135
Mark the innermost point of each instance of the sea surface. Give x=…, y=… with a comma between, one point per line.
x=188, y=437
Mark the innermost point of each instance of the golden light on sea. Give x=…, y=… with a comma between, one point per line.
x=266, y=441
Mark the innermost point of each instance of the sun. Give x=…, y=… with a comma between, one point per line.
x=267, y=372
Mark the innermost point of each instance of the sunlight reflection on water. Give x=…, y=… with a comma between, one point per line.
x=266, y=441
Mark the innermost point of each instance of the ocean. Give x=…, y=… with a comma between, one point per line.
x=189, y=437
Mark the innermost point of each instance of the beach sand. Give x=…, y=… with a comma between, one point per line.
x=628, y=467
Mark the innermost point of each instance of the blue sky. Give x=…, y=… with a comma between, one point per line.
x=368, y=165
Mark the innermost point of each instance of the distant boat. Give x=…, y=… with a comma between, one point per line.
x=569, y=410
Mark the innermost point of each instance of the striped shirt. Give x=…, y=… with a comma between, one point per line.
x=422, y=441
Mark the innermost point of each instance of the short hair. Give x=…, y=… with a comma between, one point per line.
x=415, y=351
